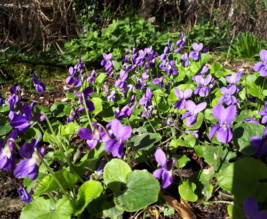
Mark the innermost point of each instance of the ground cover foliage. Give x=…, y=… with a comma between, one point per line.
x=119, y=144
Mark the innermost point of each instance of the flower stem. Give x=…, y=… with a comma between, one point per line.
x=87, y=112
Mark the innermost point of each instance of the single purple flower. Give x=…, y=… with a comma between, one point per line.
x=91, y=79
x=260, y=143
x=87, y=92
x=23, y=122
x=228, y=97
x=185, y=60
x=39, y=86
x=182, y=96
x=251, y=120
x=29, y=166
x=193, y=112
x=204, y=85
x=193, y=132
x=111, y=95
x=251, y=209
x=196, y=53
x=225, y=117
x=91, y=137
x=233, y=79
x=125, y=112
x=24, y=195
x=121, y=133
x=13, y=100
x=262, y=66
x=74, y=114
x=165, y=172
x=7, y=153
x=146, y=99
x=147, y=113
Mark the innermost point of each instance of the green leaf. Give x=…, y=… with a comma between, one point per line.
x=218, y=157
x=43, y=209
x=100, y=78
x=115, y=173
x=48, y=184
x=142, y=190
x=69, y=129
x=89, y=191
x=5, y=129
x=144, y=141
x=181, y=161
x=252, y=88
x=186, y=191
x=98, y=105
x=31, y=133
x=4, y=109
x=242, y=135
x=245, y=178
x=202, y=179
x=60, y=109
x=185, y=140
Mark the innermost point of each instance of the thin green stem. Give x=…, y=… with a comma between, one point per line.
x=151, y=126
x=87, y=112
x=214, y=202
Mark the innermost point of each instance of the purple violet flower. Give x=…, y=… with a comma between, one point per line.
x=7, y=153
x=169, y=67
x=29, y=166
x=193, y=132
x=204, y=85
x=204, y=70
x=39, y=86
x=107, y=63
x=233, y=79
x=228, y=97
x=182, y=96
x=225, y=116
x=185, y=60
x=125, y=112
x=87, y=92
x=111, y=95
x=260, y=143
x=165, y=172
x=74, y=114
x=75, y=73
x=24, y=195
x=196, y=53
x=120, y=134
x=251, y=120
x=262, y=66
x=92, y=137
x=251, y=209
x=193, y=112
x=146, y=99
x=23, y=122
x=91, y=79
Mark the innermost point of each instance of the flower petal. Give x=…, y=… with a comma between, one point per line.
x=219, y=113
x=85, y=133
x=230, y=114
x=161, y=158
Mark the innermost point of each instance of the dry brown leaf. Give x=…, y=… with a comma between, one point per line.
x=154, y=211
x=182, y=208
